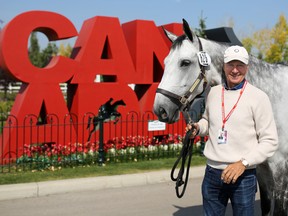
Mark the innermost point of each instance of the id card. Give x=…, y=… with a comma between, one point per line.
x=222, y=136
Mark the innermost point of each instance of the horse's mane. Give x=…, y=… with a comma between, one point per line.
x=178, y=42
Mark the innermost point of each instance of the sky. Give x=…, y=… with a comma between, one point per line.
x=247, y=16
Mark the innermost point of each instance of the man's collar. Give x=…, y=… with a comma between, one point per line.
x=239, y=86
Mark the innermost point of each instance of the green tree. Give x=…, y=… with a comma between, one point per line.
x=202, y=27
x=37, y=57
x=248, y=44
x=262, y=42
x=47, y=53
x=270, y=45
x=278, y=50
x=65, y=51
x=259, y=43
x=34, y=50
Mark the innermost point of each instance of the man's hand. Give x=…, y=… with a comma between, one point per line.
x=232, y=172
x=194, y=127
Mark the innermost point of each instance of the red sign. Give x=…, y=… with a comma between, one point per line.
x=131, y=53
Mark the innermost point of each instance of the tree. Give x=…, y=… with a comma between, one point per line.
x=47, y=53
x=248, y=44
x=262, y=41
x=37, y=57
x=34, y=50
x=65, y=51
x=278, y=50
x=202, y=27
x=270, y=45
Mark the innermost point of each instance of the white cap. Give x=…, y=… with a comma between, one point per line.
x=236, y=53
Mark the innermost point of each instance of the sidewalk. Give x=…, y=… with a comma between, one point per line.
x=39, y=189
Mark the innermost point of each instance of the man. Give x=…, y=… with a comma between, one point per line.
x=242, y=133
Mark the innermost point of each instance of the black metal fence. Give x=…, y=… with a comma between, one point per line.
x=36, y=143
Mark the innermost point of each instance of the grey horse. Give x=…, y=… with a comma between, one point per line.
x=183, y=66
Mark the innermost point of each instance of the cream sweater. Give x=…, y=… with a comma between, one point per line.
x=251, y=128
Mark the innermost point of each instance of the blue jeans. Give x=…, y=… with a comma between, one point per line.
x=216, y=193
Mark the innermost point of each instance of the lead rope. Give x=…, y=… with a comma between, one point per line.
x=186, y=152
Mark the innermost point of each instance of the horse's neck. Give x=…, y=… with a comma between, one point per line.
x=271, y=78
x=261, y=73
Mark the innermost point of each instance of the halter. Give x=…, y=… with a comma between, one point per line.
x=183, y=101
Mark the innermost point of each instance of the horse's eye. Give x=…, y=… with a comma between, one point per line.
x=185, y=63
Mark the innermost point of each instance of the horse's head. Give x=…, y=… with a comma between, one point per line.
x=118, y=103
x=184, y=75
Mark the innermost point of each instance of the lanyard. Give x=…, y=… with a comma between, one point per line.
x=225, y=119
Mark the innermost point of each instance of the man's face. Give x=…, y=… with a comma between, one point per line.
x=235, y=72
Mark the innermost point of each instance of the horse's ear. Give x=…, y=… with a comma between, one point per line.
x=187, y=30
x=172, y=37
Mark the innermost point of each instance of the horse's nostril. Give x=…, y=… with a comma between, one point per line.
x=163, y=113
x=162, y=110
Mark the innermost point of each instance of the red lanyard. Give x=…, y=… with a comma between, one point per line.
x=225, y=119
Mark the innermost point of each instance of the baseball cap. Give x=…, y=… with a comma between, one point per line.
x=236, y=53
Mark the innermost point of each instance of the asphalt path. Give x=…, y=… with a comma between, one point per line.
x=157, y=199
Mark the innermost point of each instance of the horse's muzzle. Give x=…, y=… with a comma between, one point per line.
x=161, y=114
x=164, y=116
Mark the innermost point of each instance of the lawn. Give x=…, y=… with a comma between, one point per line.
x=93, y=171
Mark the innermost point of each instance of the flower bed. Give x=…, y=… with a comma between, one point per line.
x=118, y=149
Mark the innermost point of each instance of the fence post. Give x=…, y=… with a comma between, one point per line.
x=101, y=157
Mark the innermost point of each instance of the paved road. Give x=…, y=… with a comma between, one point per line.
x=155, y=199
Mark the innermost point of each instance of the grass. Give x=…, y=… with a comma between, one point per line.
x=93, y=171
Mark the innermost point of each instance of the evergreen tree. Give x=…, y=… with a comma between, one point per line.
x=202, y=27
x=47, y=53
x=40, y=58
x=34, y=50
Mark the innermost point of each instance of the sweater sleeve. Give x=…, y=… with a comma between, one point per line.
x=203, y=126
x=266, y=132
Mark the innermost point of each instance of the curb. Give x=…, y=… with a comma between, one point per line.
x=38, y=189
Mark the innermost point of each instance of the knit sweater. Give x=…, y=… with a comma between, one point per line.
x=251, y=129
